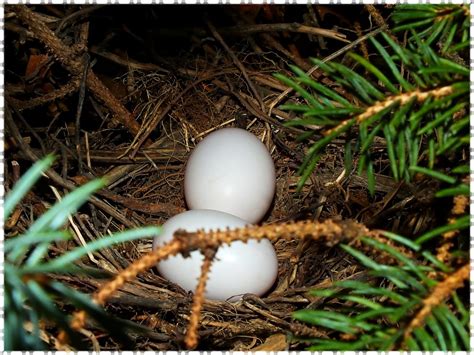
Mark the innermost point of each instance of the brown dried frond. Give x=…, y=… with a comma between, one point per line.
x=460, y=204
x=375, y=13
x=402, y=98
x=191, y=339
x=331, y=232
x=68, y=58
x=65, y=90
x=144, y=263
x=439, y=293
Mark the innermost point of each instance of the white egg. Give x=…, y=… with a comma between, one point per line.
x=231, y=171
x=237, y=269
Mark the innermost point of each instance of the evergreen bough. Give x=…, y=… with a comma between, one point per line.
x=31, y=291
x=415, y=96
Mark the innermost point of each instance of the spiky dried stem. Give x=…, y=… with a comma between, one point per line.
x=460, y=205
x=402, y=98
x=144, y=263
x=191, y=339
x=380, y=255
x=68, y=58
x=63, y=91
x=331, y=232
x=440, y=292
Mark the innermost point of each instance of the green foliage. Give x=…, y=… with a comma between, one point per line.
x=416, y=99
x=30, y=289
x=447, y=26
x=413, y=96
x=375, y=313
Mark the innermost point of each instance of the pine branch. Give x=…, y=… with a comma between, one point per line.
x=413, y=97
x=400, y=99
x=442, y=25
x=377, y=316
x=30, y=291
x=437, y=296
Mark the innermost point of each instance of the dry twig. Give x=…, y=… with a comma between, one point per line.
x=440, y=292
x=237, y=63
x=461, y=203
x=280, y=27
x=191, y=339
x=327, y=59
x=331, y=232
x=67, y=58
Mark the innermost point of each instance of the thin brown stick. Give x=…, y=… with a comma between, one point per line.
x=129, y=63
x=15, y=133
x=326, y=59
x=363, y=45
x=82, y=12
x=237, y=63
x=440, y=292
x=281, y=27
x=248, y=29
x=63, y=91
x=191, y=339
x=102, y=93
x=67, y=58
x=80, y=105
x=168, y=155
x=272, y=42
x=329, y=231
x=143, y=206
x=315, y=23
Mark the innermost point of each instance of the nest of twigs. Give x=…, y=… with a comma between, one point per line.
x=159, y=80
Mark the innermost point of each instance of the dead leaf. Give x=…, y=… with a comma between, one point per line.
x=275, y=342
x=36, y=65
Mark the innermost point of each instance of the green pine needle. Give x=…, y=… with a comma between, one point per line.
x=29, y=301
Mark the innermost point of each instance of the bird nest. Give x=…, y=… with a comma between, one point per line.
x=146, y=103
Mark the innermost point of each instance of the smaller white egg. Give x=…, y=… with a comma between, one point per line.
x=231, y=171
x=237, y=269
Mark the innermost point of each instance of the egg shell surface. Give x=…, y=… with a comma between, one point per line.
x=231, y=171
x=237, y=269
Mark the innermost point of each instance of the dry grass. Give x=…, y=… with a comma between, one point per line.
x=165, y=113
